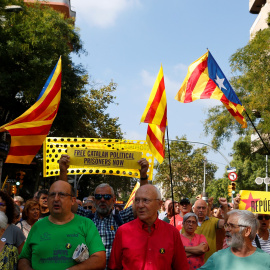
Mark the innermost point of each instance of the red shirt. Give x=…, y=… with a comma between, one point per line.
x=178, y=222
x=135, y=248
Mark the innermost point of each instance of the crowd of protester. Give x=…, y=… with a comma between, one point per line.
x=43, y=232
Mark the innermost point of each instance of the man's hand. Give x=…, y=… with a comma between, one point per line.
x=223, y=202
x=236, y=201
x=64, y=162
x=210, y=202
x=144, y=167
x=63, y=166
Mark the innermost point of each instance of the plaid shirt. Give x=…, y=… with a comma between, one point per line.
x=107, y=226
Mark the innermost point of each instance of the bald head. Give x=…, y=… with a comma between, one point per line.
x=60, y=200
x=148, y=188
x=147, y=203
x=200, y=209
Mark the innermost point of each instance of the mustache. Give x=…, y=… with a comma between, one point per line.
x=228, y=234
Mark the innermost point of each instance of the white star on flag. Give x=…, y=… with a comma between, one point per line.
x=220, y=82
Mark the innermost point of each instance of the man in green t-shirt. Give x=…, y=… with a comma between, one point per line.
x=53, y=240
x=241, y=229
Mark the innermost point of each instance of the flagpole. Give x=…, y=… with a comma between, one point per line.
x=168, y=141
x=258, y=133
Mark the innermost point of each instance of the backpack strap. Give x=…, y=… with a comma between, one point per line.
x=258, y=244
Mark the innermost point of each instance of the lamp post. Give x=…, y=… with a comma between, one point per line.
x=204, y=194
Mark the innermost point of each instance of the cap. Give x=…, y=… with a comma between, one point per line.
x=185, y=201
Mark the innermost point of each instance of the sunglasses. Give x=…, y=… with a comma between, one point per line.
x=88, y=207
x=105, y=196
x=263, y=217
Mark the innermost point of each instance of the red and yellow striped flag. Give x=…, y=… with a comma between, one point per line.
x=132, y=195
x=155, y=114
x=29, y=130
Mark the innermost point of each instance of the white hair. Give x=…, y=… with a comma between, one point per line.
x=248, y=219
x=104, y=185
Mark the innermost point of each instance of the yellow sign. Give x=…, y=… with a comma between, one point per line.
x=104, y=158
x=54, y=147
x=258, y=202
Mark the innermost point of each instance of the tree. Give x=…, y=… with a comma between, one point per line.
x=249, y=166
x=187, y=170
x=31, y=42
x=252, y=85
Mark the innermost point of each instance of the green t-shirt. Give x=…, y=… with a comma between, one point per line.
x=51, y=246
x=224, y=259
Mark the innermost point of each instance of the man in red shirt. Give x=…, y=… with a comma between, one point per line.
x=185, y=207
x=147, y=242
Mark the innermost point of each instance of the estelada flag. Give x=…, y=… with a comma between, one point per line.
x=29, y=130
x=205, y=80
x=155, y=114
x=132, y=195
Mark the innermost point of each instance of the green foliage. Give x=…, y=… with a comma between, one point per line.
x=31, y=42
x=218, y=188
x=187, y=170
x=249, y=166
x=252, y=85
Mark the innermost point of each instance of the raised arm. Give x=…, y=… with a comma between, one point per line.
x=143, y=171
x=224, y=203
x=63, y=166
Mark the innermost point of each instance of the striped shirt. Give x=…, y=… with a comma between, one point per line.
x=265, y=244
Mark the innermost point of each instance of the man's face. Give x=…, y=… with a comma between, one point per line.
x=43, y=200
x=147, y=204
x=200, y=209
x=185, y=208
x=234, y=238
x=104, y=207
x=60, y=199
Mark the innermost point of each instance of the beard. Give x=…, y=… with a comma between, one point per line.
x=235, y=240
x=104, y=211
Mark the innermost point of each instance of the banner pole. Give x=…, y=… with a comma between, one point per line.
x=170, y=166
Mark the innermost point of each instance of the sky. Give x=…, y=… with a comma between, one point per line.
x=128, y=40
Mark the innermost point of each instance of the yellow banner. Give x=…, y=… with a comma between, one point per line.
x=258, y=202
x=104, y=158
x=54, y=147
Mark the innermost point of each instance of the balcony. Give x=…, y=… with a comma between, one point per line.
x=256, y=5
x=62, y=6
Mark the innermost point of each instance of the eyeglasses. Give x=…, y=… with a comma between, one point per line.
x=191, y=222
x=61, y=195
x=105, y=196
x=88, y=207
x=2, y=204
x=230, y=226
x=144, y=200
x=263, y=217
